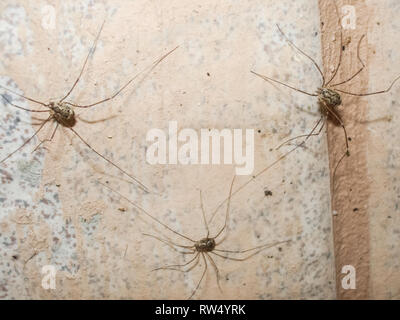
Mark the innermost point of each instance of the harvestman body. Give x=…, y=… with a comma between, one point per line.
x=62, y=112
x=202, y=248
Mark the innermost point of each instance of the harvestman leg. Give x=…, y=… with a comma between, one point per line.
x=176, y=266
x=91, y=51
x=47, y=140
x=217, y=273
x=109, y=161
x=108, y=99
x=201, y=279
x=27, y=141
x=260, y=248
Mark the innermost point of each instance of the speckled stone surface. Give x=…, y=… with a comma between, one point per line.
x=52, y=211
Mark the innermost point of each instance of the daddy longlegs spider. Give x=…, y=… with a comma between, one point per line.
x=329, y=98
x=62, y=112
x=202, y=249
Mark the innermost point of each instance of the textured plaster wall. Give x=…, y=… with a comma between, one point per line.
x=53, y=212
x=366, y=194
x=383, y=151
x=350, y=184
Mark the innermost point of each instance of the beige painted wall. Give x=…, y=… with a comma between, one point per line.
x=52, y=210
x=383, y=151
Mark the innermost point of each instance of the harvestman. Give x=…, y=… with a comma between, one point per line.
x=62, y=112
x=329, y=99
x=328, y=95
x=203, y=248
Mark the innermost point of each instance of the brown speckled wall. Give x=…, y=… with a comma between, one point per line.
x=365, y=188
x=350, y=185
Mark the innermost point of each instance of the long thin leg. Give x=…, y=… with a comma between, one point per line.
x=370, y=93
x=201, y=279
x=147, y=214
x=109, y=161
x=22, y=108
x=128, y=83
x=227, y=210
x=26, y=141
x=167, y=241
x=305, y=54
x=204, y=214
x=96, y=121
x=331, y=112
x=261, y=172
x=180, y=270
x=91, y=51
x=175, y=266
x=359, y=71
x=304, y=135
x=347, y=152
x=47, y=140
x=216, y=270
x=264, y=246
x=284, y=84
x=340, y=48
x=22, y=96
x=336, y=167
x=249, y=256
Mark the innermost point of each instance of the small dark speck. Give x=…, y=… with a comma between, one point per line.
x=343, y=48
x=355, y=209
x=349, y=138
x=378, y=23
x=15, y=257
x=259, y=131
x=267, y=192
x=279, y=249
x=316, y=33
x=389, y=217
x=208, y=73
